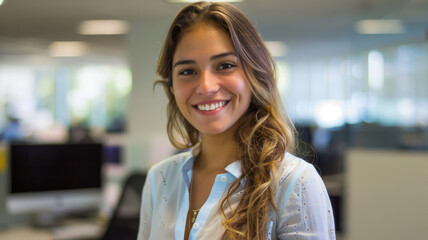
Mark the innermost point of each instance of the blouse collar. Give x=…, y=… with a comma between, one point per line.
x=233, y=168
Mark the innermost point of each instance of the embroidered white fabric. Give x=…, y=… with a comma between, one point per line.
x=304, y=209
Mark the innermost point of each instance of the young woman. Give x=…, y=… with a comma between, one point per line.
x=239, y=180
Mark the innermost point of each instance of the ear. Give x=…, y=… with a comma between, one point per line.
x=171, y=89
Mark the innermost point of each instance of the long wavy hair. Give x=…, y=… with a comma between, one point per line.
x=264, y=132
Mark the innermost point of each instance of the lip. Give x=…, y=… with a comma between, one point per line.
x=225, y=103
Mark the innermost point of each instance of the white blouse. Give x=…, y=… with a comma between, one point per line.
x=304, y=209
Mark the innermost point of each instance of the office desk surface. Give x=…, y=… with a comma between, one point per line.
x=75, y=231
x=25, y=232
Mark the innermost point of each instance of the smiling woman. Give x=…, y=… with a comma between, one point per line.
x=240, y=179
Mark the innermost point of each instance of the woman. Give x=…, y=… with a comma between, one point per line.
x=239, y=180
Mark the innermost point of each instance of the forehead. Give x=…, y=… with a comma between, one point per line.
x=203, y=38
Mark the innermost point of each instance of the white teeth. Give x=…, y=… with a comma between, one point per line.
x=208, y=107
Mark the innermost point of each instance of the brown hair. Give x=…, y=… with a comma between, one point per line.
x=263, y=134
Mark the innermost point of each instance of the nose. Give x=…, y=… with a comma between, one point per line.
x=207, y=84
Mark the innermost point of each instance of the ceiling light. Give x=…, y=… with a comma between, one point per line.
x=103, y=27
x=67, y=49
x=192, y=1
x=373, y=26
x=276, y=48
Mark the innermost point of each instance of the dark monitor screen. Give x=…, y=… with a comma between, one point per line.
x=52, y=167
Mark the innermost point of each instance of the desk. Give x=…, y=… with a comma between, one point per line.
x=25, y=232
x=72, y=230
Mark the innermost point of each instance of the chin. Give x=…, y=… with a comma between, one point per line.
x=214, y=130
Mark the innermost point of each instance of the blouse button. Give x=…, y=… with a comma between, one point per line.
x=223, y=178
x=196, y=226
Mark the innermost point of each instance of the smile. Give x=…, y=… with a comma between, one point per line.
x=211, y=107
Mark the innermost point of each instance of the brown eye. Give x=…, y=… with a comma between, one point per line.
x=186, y=72
x=224, y=66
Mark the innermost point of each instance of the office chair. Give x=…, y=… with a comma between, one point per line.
x=124, y=222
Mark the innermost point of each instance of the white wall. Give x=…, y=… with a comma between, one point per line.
x=147, y=140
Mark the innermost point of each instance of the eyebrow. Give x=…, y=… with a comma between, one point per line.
x=215, y=57
x=222, y=55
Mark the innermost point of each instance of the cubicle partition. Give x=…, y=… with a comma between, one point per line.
x=386, y=194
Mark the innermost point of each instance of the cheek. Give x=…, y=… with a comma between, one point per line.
x=246, y=95
x=180, y=102
x=243, y=88
x=181, y=93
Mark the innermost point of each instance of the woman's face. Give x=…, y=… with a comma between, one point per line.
x=208, y=82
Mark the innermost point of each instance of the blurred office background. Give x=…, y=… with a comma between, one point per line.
x=353, y=76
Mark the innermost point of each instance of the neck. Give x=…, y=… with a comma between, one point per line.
x=216, y=153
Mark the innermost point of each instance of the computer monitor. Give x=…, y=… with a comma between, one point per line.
x=54, y=178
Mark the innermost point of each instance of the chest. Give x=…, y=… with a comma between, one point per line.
x=200, y=188
x=171, y=204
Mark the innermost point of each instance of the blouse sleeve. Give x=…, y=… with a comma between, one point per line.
x=145, y=211
x=306, y=211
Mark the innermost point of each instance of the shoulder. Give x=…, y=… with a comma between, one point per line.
x=170, y=166
x=174, y=162
x=302, y=201
x=294, y=174
x=292, y=166
x=297, y=179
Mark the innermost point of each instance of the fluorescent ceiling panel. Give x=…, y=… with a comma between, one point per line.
x=103, y=27
x=376, y=26
x=67, y=49
x=192, y=1
x=276, y=48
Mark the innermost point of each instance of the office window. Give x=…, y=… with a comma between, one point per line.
x=387, y=86
x=43, y=97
